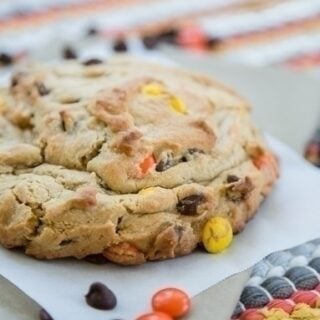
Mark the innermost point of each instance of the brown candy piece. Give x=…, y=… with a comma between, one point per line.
x=101, y=297
x=189, y=205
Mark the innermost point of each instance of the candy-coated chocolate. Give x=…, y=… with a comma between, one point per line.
x=217, y=234
x=171, y=301
x=147, y=164
x=178, y=105
x=155, y=316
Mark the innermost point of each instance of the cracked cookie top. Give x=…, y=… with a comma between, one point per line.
x=135, y=125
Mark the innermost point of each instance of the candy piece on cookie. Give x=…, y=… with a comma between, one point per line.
x=153, y=89
x=178, y=105
x=217, y=234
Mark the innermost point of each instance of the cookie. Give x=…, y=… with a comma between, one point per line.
x=125, y=159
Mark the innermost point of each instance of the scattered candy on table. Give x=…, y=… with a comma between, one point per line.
x=101, y=297
x=171, y=301
x=155, y=316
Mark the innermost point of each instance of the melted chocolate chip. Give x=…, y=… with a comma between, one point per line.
x=120, y=46
x=189, y=205
x=92, y=61
x=96, y=259
x=69, y=53
x=240, y=190
x=44, y=315
x=42, y=89
x=232, y=178
x=101, y=297
x=5, y=59
x=165, y=163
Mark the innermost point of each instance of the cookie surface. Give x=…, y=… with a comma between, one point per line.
x=125, y=159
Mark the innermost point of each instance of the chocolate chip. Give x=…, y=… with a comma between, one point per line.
x=44, y=315
x=120, y=46
x=240, y=190
x=92, y=31
x=161, y=166
x=42, y=89
x=232, y=178
x=5, y=59
x=189, y=205
x=165, y=163
x=150, y=42
x=101, y=297
x=65, y=242
x=168, y=36
x=14, y=82
x=92, y=61
x=213, y=42
x=96, y=259
x=69, y=53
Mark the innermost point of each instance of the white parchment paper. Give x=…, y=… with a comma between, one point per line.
x=289, y=216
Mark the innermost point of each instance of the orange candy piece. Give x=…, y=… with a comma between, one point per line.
x=147, y=164
x=155, y=316
x=171, y=301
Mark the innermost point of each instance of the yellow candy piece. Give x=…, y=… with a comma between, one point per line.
x=217, y=234
x=178, y=105
x=153, y=89
x=146, y=191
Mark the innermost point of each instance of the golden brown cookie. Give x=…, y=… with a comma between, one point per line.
x=125, y=159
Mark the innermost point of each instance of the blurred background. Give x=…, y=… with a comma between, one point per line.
x=281, y=34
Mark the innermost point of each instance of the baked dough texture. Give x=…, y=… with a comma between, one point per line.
x=124, y=159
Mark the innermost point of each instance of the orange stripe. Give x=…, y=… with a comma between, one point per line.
x=271, y=34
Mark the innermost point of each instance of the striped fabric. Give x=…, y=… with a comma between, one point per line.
x=253, y=32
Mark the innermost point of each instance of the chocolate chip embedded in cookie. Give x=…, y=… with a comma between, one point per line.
x=124, y=161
